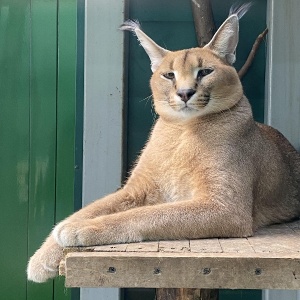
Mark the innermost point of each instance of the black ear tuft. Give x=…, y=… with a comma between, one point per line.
x=240, y=10
x=130, y=25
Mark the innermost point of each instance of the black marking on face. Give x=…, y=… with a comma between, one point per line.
x=200, y=62
x=171, y=65
x=185, y=57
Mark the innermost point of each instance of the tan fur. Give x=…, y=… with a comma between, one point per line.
x=208, y=170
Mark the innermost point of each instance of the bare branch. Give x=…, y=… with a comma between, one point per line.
x=203, y=20
x=252, y=53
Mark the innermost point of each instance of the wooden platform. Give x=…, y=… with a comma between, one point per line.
x=268, y=260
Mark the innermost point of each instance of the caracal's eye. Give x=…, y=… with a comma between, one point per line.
x=203, y=73
x=169, y=75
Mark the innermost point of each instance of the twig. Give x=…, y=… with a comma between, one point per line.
x=252, y=53
x=203, y=20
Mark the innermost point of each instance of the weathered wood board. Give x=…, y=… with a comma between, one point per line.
x=268, y=260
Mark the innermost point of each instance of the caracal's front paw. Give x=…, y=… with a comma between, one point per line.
x=43, y=265
x=72, y=234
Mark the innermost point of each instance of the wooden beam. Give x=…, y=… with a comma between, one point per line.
x=203, y=20
x=186, y=270
x=269, y=259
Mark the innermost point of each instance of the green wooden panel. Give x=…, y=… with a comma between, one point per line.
x=240, y=294
x=42, y=131
x=37, y=129
x=170, y=24
x=66, y=103
x=14, y=146
x=79, y=105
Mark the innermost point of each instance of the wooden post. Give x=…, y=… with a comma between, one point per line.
x=187, y=294
x=209, y=294
x=203, y=20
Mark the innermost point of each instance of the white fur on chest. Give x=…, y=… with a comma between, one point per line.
x=174, y=188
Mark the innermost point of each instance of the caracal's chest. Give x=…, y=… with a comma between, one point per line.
x=180, y=165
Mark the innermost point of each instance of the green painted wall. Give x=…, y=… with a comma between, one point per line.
x=37, y=133
x=170, y=24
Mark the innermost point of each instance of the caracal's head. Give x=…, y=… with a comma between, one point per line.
x=195, y=82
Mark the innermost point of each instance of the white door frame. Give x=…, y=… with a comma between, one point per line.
x=282, y=78
x=282, y=105
x=103, y=109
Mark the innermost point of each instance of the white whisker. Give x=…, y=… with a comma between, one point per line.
x=146, y=98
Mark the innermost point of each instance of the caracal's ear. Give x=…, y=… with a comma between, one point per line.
x=225, y=40
x=155, y=52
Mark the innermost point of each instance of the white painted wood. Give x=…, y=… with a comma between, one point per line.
x=103, y=105
x=283, y=85
x=103, y=98
x=99, y=294
x=283, y=78
x=266, y=295
x=280, y=295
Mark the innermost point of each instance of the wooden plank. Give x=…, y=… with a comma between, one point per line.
x=111, y=248
x=159, y=269
x=270, y=259
x=143, y=247
x=276, y=239
x=174, y=246
x=241, y=245
x=62, y=268
x=206, y=246
x=78, y=249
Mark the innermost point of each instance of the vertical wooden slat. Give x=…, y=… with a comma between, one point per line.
x=14, y=145
x=42, y=131
x=28, y=129
x=66, y=103
x=282, y=99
